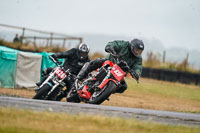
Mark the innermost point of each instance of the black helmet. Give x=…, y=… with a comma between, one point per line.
x=137, y=46
x=83, y=50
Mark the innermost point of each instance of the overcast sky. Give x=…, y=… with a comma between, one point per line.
x=174, y=22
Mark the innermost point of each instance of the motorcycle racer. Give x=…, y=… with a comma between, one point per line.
x=131, y=53
x=75, y=59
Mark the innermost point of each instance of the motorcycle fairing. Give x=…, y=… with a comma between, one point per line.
x=109, y=63
x=84, y=93
x=105, y=82
x=117, y=72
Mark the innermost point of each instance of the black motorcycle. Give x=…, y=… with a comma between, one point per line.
x=53, y=85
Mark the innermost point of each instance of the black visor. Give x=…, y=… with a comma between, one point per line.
x=83, y=55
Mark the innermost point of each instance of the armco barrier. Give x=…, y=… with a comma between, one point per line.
x=186, y=78
x=197, y=81
x=146, y=72
x=155, y=73
x=170, y=75
x=167, y=75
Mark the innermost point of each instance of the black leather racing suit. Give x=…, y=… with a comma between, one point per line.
x=73, y=62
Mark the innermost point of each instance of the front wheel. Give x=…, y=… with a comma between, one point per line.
x=42, y=92
x=100, y=96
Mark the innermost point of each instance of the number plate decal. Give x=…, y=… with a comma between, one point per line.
x=60, y=73
x=118, y=72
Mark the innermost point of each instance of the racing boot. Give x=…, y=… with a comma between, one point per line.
x=38, y=84
x=61, y=95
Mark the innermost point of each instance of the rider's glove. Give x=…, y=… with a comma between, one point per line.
x=110, y=50
x=54, y=57
x=59, y=62
x=135, y=75
x=44, y=72
x=124, y=66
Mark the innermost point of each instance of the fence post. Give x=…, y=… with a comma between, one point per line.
x=22, y=37
x=187, y=57
x=51, y=38
x=81, y=40
x=64, y=40
x=34, y=42
x=164, y=55
x=47, y=45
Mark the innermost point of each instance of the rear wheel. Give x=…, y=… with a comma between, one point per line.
x=100, y=96
x=42, y=92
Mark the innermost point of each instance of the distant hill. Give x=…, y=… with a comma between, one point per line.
x=97, y=43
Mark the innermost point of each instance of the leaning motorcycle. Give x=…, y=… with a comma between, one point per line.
x=54, y=83
x=98, y=87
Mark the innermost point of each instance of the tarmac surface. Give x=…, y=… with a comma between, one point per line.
x=165, y=117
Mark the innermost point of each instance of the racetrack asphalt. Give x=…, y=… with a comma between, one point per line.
x=165, y=117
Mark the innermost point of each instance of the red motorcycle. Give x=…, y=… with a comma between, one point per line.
x=98, y=87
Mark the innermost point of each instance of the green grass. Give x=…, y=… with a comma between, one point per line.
x=158, y=95
x=176, y=90
x=23, y=121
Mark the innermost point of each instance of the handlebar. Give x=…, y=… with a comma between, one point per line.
x=116, y=59
x=56, y=62
x=133, y=76
x=129, y=69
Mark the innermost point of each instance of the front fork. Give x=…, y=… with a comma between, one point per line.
x=106, y=80
x=53, y=87
x=45, y=82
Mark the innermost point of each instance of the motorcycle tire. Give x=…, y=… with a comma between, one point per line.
x=105, y=93
x=73, y=97
x=54, y=95
x=42, y=92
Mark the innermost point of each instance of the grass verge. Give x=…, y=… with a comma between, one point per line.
x=158, y=95
x=22, y=121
